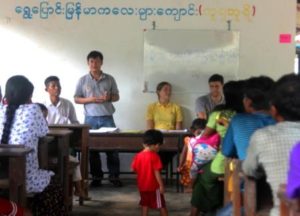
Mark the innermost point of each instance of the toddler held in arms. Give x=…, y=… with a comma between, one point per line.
x=196, y=152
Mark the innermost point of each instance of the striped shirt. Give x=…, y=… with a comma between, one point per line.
x=240, y=129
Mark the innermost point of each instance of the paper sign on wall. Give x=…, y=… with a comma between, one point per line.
x=285, y=38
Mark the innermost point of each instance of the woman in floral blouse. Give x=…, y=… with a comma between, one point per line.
x=22, y=122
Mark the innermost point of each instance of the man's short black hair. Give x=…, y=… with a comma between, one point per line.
x=263, y=83
x=216, y=78
x=94, y=54
x=257, y=89
x=285, y=97
x=153, y=137
x=51, y=79
x=259, y=99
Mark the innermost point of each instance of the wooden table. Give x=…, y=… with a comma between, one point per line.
x=59, y=148
x=16, y=182
x=288, y=207
x=257, y=196
x=80, y=140
x=132, y=142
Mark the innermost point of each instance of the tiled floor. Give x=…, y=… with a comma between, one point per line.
x=110, y=201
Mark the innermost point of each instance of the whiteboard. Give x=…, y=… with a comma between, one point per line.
x=187, y=58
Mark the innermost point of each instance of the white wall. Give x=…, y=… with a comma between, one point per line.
x=56, y=46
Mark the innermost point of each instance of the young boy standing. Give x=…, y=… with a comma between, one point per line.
x=147, y=165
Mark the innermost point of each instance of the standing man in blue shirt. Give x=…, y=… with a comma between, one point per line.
x=97, y=91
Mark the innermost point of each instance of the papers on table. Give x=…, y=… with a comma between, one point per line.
x=115, y=129
x=174, y=131
x=132, y=131
x=105, y=130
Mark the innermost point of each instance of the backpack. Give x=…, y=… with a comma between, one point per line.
x=204, y=148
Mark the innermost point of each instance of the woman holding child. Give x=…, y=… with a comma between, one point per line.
x=22, y=122
x=207, y=193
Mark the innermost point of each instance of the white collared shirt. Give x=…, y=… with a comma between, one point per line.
x=62, y=113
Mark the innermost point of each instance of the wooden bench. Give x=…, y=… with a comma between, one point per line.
x=236, y=166
x=15, y=182
x=226, y=180
x=79, y=139
x=288, y=207
x=232, y=184
x=54, y=155
x=257, y=197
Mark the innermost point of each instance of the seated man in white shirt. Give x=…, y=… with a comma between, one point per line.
x=62, y=111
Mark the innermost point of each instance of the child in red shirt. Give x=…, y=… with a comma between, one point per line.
x=147, y=165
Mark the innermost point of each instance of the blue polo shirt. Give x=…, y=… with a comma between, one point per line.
x=241, y=127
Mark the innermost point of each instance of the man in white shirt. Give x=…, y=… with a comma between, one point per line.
x=62, y=111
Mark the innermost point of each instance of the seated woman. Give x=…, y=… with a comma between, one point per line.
x=22, y=122
x=164, y=115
